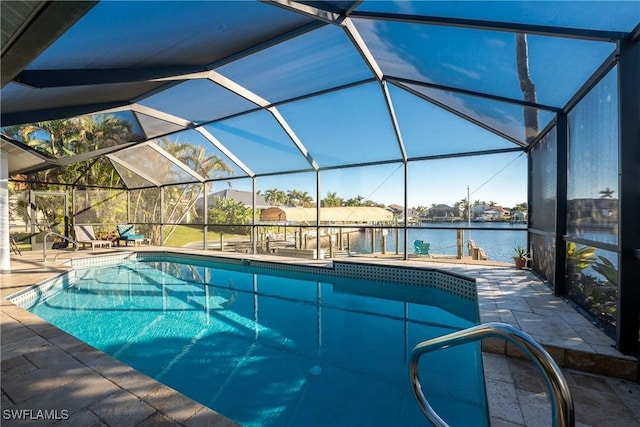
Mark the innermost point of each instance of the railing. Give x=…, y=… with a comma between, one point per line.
x=562, y=403
x=44, y=244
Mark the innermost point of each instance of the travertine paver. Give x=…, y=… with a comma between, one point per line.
x=122, y=409
x=157, y=419
x=205, y=418
x=599, y=407
x=176, y=407
x=598, y=400
x=83, y=417
x=136, y=383
x=628, y=392
x=503, y=402
x=40, y=381
x=72, y=396
x=502, y=396
x=536, y=408
x=108, y=366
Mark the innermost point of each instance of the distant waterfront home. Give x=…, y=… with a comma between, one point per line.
x=592, y=212
x=488, y=213
x=443, y=212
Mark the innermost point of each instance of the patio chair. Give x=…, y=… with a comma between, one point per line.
x=421, y=248
x=14, y=246
x=86, y=236
x=127, y=232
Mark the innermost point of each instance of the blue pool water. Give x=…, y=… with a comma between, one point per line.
x=278, y=349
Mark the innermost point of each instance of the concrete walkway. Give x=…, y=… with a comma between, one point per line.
x=44, y=368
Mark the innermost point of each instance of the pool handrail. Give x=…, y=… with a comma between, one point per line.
x=44, y=243
x=562, y=411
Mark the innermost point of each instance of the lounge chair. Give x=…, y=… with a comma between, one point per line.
x=127, y=232
x=86, y=236
x=421, y=248
x=14, y=246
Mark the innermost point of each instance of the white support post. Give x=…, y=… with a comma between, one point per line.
x=5, y=252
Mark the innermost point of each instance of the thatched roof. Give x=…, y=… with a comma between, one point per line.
x=345, y=214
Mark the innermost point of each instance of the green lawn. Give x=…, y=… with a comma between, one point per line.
x=182, y=235
x=186, y=233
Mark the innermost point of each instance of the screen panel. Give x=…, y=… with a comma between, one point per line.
x=592, y=176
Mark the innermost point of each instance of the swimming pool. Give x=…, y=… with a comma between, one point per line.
x=270, y=347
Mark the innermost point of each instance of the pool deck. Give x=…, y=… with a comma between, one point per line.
x=44, y=368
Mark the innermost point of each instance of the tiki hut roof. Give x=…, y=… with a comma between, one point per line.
x=344, y=214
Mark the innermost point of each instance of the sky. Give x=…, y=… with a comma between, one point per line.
x=500, y=178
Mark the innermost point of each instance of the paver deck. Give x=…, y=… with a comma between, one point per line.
x=43, y=368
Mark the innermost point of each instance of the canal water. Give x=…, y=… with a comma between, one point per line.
x=498, y=244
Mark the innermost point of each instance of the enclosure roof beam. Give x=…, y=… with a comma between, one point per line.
x=97, y=76
x=164, y=153
x=512, y=27
x=330, y=17
x=134, y=169
x=220, y=146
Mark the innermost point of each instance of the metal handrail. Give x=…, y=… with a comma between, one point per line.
x=44, y=243
x=562, y=402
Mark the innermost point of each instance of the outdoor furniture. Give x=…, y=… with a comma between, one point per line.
x=86, y=236
x=127, y=232
x=14, y=246
x=421, y=248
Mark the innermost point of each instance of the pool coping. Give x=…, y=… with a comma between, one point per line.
x=489, y=302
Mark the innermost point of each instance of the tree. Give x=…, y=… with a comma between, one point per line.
x=606, y=193
x=332, y=200
x=421, y=211
x=462, y=206
x=180, y=200
x=354, y=201
x=527, y=87
x=68, y=137
x=522, y=207
x=226, y=211
x=275, y=197
x=293, y=198
x=305, y=200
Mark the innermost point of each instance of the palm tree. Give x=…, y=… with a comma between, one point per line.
x=275, y=197
x=521, y=207
x=354, y=201
x=183, y=198
x=462, y=206
x=332, y=200
x=293, y=197
x=527, y=86
x=421, y=211
x=606, y=193
x=305, y=199
x=96, y=132
x=68, y=137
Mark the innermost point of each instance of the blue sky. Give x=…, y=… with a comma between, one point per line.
x=499, y=178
